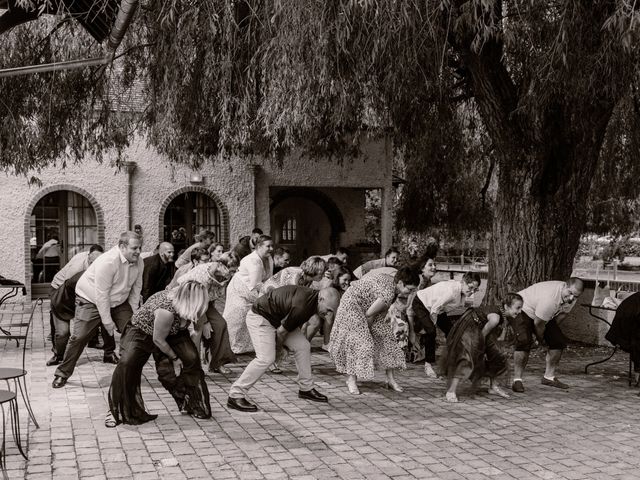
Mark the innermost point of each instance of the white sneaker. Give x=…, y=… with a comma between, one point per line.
x=451, y=397
x=429, y=371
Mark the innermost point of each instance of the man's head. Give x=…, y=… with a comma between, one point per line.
x=166, y=251
x=264, y=246
x=138, y=229
x=206, y=238
x=391, y=257
x=328, y=300
x=94, y=252
x=342, y=254
x=281, y=257
x=130, y=245
x=255, y=235
x=573, y=290
x=470, y=283
x=313, y=268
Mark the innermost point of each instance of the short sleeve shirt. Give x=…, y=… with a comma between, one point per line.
x=544, y=300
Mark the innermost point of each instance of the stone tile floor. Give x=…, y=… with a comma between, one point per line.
x=588, y=432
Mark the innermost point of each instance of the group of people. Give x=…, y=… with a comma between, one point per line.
x=381, y=315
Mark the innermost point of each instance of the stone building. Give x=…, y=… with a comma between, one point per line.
x=311, y=206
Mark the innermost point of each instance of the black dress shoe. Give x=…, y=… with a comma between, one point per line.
x=113, y=358
x=313, y=395
x=53, y=361
x=59, y=382
x=241, y=404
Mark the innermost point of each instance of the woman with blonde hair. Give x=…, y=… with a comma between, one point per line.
x=309, y=271
x=161, y=328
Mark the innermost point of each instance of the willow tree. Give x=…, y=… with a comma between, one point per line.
x=262, y=77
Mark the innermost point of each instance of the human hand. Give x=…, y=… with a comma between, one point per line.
x=109, y=328
x=206, y=330
x=177, y=367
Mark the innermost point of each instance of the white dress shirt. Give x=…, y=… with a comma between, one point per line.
x=78, y=263
x=110, y=281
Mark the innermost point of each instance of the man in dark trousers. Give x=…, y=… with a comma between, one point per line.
x=274, y=323
x=158, y=271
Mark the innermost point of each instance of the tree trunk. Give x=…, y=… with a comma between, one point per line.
x=541, y=200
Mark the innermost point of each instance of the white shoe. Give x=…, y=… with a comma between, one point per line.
x=496, y=390
x=325, y=347
x=352, y=386
x=429, y=371
x=451, y=397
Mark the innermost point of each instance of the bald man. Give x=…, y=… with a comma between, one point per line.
x=158, y=271
x=274, y=323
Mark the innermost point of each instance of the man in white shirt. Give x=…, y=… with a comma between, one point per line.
x=546, y=304
x=108, y=293
x=430, y=307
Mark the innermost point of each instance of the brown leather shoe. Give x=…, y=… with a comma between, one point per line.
x=554, y=383
x=517, y=386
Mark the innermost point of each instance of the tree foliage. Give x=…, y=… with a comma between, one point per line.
x=541, y=80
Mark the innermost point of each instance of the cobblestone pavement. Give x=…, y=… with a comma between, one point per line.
x=588, y=432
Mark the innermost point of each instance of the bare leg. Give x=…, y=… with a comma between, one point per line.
x=391, y=380
x=520, y=360
x=552, y=360
x=451, y=395
x=352, y=385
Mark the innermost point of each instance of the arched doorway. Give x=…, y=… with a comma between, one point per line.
x=305, y=221
x=61, y=224
x=187, y=214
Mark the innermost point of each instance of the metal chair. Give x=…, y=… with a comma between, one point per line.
x=7, y=396
x=19, y=375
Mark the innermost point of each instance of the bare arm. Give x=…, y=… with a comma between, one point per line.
x=378, y=307
x=493, y=320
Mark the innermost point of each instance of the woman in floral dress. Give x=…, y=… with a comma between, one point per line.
x=361, y=339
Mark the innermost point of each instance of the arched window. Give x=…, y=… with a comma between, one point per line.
x=62, y=224
x=288, y=234
x=186, y=215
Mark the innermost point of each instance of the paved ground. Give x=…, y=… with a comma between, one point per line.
x=590, y=431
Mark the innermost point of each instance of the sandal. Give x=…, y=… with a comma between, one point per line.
x=109, y=421
x=274, y=368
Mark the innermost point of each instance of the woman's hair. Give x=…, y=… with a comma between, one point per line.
x=203, y=235
x=423, y=261
x=214, y=246
x=313, y=266
x=471, y=277
x=190, y=300
x=340, y=271
x=262, y=239
x=511, y=297
x=196, y=253
x=392, y=250
x=408, y=276
x=229, y=259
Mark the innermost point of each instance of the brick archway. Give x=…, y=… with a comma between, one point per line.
x=222, y=209
x=27, y=221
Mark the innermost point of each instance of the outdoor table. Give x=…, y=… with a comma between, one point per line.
x=593, y=311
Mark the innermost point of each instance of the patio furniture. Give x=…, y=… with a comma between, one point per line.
x=20, y=331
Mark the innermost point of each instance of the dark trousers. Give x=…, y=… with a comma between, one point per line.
x=422, y=321
x=218, y=345
x=83, y=328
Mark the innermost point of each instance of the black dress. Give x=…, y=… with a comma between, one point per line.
x=625, y=328
x=469, y=353
x=189, y=390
